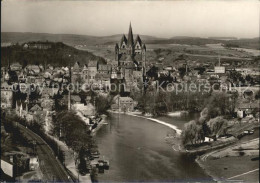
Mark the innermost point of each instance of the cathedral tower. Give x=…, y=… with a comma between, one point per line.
x=130, y=41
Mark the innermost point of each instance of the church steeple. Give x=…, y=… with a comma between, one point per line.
x=130, y=41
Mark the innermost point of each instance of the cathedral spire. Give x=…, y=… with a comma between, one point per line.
x=130, y=41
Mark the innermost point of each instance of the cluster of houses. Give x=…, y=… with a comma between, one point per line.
x=15, y=163
x=129, y=68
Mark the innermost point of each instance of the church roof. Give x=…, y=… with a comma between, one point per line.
x=130, y=37
x=138, y=40
x=123, y=39
x=130, y=58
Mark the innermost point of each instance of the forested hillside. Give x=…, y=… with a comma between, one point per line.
x=58, y=55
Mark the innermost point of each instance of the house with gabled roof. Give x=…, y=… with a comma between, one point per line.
x=104, y=69
x=35, y=108
x=92, y=70
x=6, y=95
x=76, y=72
x=16, y=66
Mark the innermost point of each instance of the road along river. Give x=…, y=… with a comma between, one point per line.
x=137, y=151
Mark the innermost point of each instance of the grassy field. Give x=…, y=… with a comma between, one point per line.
x=176, y=54
x=229, y=163
x=228, y=167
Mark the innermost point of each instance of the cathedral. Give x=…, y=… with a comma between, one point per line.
x=130, y=53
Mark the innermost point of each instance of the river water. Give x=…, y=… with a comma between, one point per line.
x=137, y=151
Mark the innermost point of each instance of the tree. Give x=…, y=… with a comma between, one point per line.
x=218, y=126
x=219, y=104
x=82, y=162
x=102, y=103
x=73, y=129
x=190, y=133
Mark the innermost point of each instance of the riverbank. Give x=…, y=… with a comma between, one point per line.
x=218, y=168
x=138, y=147
x=139, y=115
x=99, y=125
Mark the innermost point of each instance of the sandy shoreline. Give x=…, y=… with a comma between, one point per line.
x=178, y=131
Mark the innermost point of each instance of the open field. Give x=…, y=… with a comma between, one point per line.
x=172, y=51
x=73, y=39
x=239, y=161
x=228, y=167
x=176, y=54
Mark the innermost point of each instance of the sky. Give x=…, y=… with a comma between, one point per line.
x=202, y=18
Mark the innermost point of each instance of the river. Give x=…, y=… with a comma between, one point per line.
x=137, y=151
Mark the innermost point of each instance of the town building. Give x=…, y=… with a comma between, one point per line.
x=33, y=69
x=92, y=70
x=37, y=45
x=76, y=73
x=6, y=95
x=123, y=104
x=84, y=73
x=17, y=67
x=85, y=110
x=246, y=109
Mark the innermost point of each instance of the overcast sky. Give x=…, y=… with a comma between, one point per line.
x=161, y=19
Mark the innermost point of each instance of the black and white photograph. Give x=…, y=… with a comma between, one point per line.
x=129, y=91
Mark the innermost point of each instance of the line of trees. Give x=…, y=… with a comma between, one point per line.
x=212, y=121
x=70, y=128
x=161, y=102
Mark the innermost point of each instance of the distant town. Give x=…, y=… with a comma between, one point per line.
x=56, y=97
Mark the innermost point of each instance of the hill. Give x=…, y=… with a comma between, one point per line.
x=73, y=40
x=253, y=43
x=59, y=55
x=70, y=39
x=223, y=38
x=185, y=40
